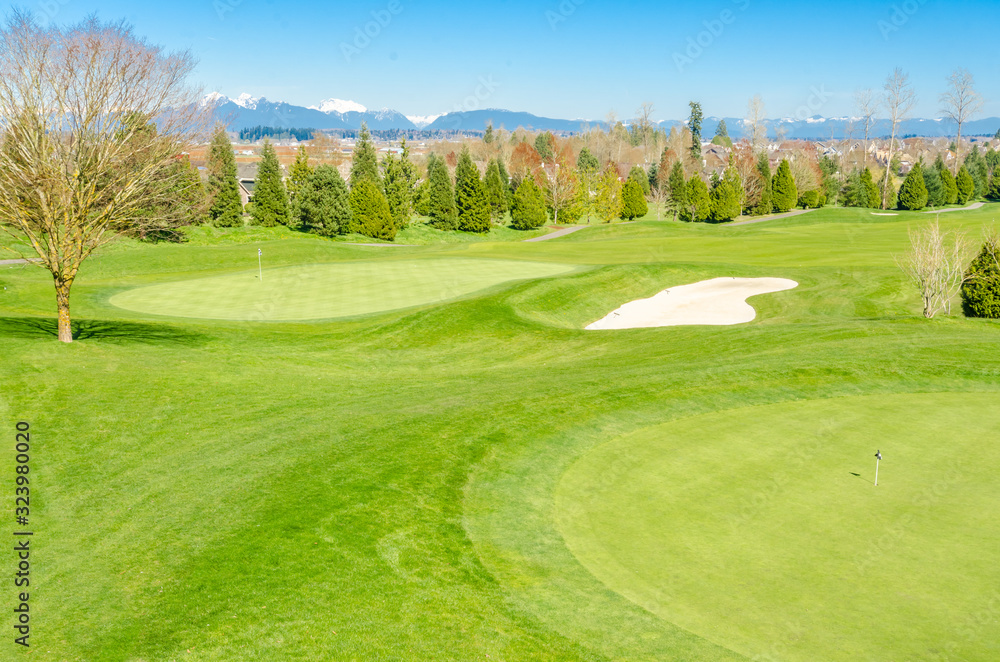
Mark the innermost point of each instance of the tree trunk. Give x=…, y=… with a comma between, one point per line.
x=958, y=150
x=62, y=303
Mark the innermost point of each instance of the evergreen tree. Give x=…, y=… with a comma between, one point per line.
x=323, y=203
x=471, y=201
x=949, y=185
x=505, y=178
x=694, y=124
x=640, y=177
x=698, y=203
x=966, y=186
x=225, y=206
x=370, y=211
x=298, y=174
x=398, y=191
x=765, y=205
x=855, y=193
x=364, y=162
x=587, y=163
x=633, y=201
x=608, y=200
x=653, y=177
x=890, y=196
x=994, y=191
x=935, y=188
x=488, y=135
x=722, y=135
x=677, y=189
x=422, y=198
x=545, y=145
x=913, y=192
x=496, y=191
x=269, y=206
x=981, y=288
x=528, y=211
x=783, y=188
x=976, y=164
x=724, y=200
x=874, y=192
x=441, y=205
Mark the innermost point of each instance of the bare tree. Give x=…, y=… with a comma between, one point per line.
x=645, y=127
x=936, y=264
x=867, y=105
x=756, y=129
x=960, y=103
x=898, y=98
x=92, y=118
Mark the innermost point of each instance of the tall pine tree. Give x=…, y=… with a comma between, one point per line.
x=225, y=207
x=913, y=192
x=471, y=202
x=370, y=211
x=364, y=163
x=528, y=210
x=698, y=204
x=496, y=191
x=441, y=204
x=269, y=206
x=633, y=201
x=765, y=205
x=965, y=185
x=783, y=188
x=398, y=192
x=694, y=124
x=298, y=174
x=676, y=189
x=323, y=203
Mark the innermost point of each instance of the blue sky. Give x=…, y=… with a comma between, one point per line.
x=568, y=58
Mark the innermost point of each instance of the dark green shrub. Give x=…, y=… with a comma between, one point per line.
x=981, y=290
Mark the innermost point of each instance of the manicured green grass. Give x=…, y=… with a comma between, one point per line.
x=329, y=290
x=402, y=485
x=772, y=510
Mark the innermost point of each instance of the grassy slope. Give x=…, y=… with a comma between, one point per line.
x=355, y=490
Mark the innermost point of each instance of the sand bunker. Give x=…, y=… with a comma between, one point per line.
x=717, y=301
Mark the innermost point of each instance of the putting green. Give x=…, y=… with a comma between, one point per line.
x=750, y=527
x=322, y=291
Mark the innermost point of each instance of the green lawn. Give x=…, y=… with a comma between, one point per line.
x=479, y=478
x=333, y=290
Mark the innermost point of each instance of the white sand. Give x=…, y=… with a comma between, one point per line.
x=717, y=301
x=875, y=213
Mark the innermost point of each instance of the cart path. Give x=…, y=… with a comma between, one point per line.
x=974, y=205
x=561, y=232
x=797, y=212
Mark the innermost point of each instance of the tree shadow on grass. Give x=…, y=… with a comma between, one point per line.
x=102, y=330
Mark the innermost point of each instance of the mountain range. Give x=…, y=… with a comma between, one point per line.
x=247, y=111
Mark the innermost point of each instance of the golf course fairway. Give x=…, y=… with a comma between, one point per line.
x=327, y=291
x=760, y=528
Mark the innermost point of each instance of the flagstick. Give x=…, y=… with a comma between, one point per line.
x=260, y=269
x=876, y=471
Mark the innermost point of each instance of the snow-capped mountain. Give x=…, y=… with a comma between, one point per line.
x=420, y=121
x=339, y=106
x=246, y=111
